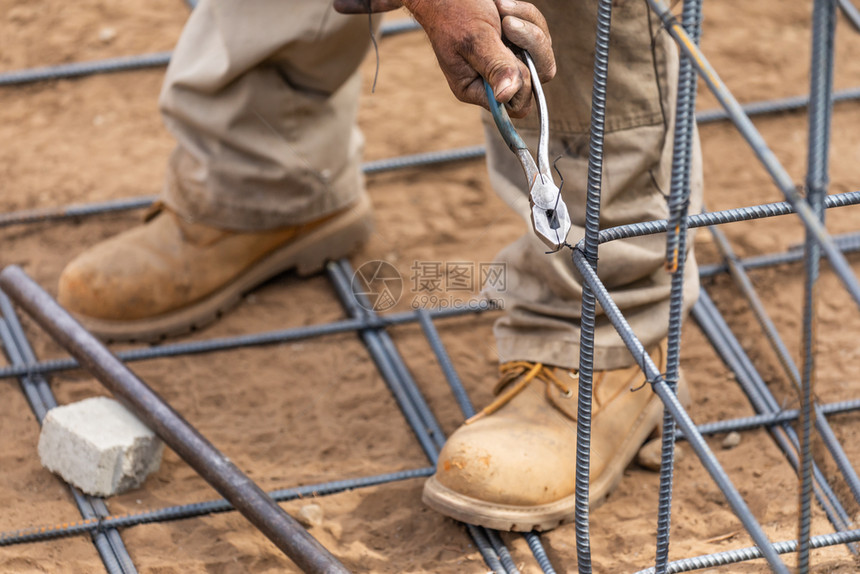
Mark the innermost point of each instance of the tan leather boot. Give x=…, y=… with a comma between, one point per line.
x=170, y=275
x=513, y=466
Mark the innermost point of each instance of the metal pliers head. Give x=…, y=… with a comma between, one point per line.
x=550, y=219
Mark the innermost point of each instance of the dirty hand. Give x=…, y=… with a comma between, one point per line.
x=467, y=38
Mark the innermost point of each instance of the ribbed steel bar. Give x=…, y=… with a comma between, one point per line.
x=682, y=419
x=432, y=335
x=242, y=341
x=717, y=331
x=588, y=309
x=753, y=553
x=413, y=405
x=721, y=217
x=184, y=511
x=781, y=177
x=767, y=420
x=848, y=243
x=108, y=542
x=676, y=256
x=126, y=204
x=744, y=283
x=137, y=62
x=199, y=453
x=774, y=106
x=817, y=178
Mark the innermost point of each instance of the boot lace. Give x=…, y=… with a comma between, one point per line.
x=522, y=373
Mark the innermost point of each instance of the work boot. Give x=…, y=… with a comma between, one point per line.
x=170, y=276
x=513, y=465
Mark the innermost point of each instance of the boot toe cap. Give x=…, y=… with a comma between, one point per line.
x=507, y=463
x=113, y=282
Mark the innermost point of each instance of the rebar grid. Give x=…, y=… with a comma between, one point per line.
x=773, y=418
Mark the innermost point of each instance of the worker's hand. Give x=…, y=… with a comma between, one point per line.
x=365, y=6
x=467, y=38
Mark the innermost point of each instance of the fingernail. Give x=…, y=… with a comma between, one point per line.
x=515, y=23
x=502, y=86
x=508, y=4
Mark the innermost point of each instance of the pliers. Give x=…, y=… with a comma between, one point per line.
x=549, y=215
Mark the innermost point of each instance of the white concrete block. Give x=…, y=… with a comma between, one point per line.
x=99, y=446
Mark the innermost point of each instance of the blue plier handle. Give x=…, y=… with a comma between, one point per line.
x=549, y=215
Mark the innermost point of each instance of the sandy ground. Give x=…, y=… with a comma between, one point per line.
x=317, y=410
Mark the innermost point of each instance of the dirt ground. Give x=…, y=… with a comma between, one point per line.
x=317, y=410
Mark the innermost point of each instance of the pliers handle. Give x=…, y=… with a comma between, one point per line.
x=549, y=215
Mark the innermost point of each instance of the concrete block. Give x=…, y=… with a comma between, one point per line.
x=99, y=446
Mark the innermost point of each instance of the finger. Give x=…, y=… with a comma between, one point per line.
x=524, y=11
x=366, y=6
x=532, y=38
x=492, y=60
x=524, y=25
x=520, y=104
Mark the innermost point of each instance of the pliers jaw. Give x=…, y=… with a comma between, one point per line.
x=549, y=215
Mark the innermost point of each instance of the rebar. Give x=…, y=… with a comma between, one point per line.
x=138, y=62
x=108, y=542
x=821, y=80
x=676, y=256
x=848, y=243
x=243, y=341
x=199, y=453
x=588, y=307
x=777, y=172
x=753, y=553
x=774, y=106
x=409, y=399
x=682, y=419
x=744, y=283
x=729, y=349
x=770, y=419
x=184, y=511
x=721, y=217
x=432, y=336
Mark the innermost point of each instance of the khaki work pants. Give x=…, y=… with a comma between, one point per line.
x=262, y=97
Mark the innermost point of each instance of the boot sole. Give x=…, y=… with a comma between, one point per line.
x=546, y=516
x=306, y=255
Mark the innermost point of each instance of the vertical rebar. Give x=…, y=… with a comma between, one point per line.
x=821, y=81
x=768, y=159
x=676, y=255
x=589, y=309
x=682, y=419
x=742, y=280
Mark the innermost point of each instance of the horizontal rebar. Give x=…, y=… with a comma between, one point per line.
x=774, y=106
x=848, y=243
x=138, y=61
x=722, y=217
x=73, y=211
x=244, y=341
x=770, y=419
x=183, y=511
x=753, y=553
